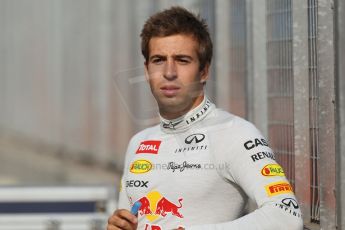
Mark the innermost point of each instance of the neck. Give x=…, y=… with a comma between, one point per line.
x=173, y=115
x=185, y=121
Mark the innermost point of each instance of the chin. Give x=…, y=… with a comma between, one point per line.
x=171, y=103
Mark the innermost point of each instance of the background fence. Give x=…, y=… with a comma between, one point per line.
x=72, y=91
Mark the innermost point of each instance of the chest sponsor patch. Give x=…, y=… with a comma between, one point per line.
x=155, y=205
x=272, y=170
x=277, y=188
x=150, y=147
x=137, y=184
x=140, y=166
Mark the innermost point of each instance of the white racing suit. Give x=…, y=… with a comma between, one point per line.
x=199, y=170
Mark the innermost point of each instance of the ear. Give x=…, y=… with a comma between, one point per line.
x=204, y=73
x=146, y=71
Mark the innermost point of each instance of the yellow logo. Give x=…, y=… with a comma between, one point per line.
x=272, y=170
x=278, y=188
x=140, y=166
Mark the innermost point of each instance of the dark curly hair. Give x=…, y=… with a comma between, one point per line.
x=178, y=20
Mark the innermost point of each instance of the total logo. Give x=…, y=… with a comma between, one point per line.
x=277, y=188
x=154, y=205
x=272, y=170
x=150, y=147
x=140, y=166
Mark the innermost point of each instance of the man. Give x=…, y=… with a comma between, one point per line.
x=197, y=168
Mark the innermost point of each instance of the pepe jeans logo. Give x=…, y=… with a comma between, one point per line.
x=196, y=138
x=181, y=167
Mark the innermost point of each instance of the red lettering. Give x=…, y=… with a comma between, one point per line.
x=152, y=227
x=150, y=147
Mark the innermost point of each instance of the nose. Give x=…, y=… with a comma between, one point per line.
x=170, y=70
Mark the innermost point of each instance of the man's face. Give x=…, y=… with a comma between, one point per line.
x=174, y=75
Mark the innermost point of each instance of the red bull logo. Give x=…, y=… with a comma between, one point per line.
x=151, y=147
x=145, y=208
x=154, y=205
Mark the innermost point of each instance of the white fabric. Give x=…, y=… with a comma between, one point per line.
x=205, y=167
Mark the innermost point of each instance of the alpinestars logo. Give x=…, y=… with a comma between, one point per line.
x=171, y=125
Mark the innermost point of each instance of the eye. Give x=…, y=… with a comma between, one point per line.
x=183, y=61
x=157, y=60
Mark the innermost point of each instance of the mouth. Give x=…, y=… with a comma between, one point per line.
x=170, y=90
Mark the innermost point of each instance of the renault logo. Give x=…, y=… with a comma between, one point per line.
x=196, y=138
x=290, y=203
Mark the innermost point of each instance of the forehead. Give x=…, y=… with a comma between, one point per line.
x=172, y=45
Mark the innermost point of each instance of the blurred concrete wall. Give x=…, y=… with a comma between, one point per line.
x=71, y=75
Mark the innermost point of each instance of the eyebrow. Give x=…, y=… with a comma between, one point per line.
x=183, y=56
x=178, y=56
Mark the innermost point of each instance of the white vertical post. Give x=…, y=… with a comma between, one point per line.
x=326, y=113
x=222, y=53
x=258, y=76
x=340, y=86
x=301, y=105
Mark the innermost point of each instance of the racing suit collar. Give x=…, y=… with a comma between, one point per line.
x=184, y=122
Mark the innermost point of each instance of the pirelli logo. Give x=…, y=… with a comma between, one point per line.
x=277, y=188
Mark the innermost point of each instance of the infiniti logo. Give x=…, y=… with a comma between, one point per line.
x=290, y=203
x=196, y=138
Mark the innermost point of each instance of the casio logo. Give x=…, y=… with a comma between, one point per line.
x=254, y=143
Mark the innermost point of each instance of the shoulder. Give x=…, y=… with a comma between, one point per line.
x=145, y=134
x=231, y=124
x=231, y=133
x=138, y=138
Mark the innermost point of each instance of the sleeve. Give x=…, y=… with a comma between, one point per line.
x=124, y=202
x=254, y=169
